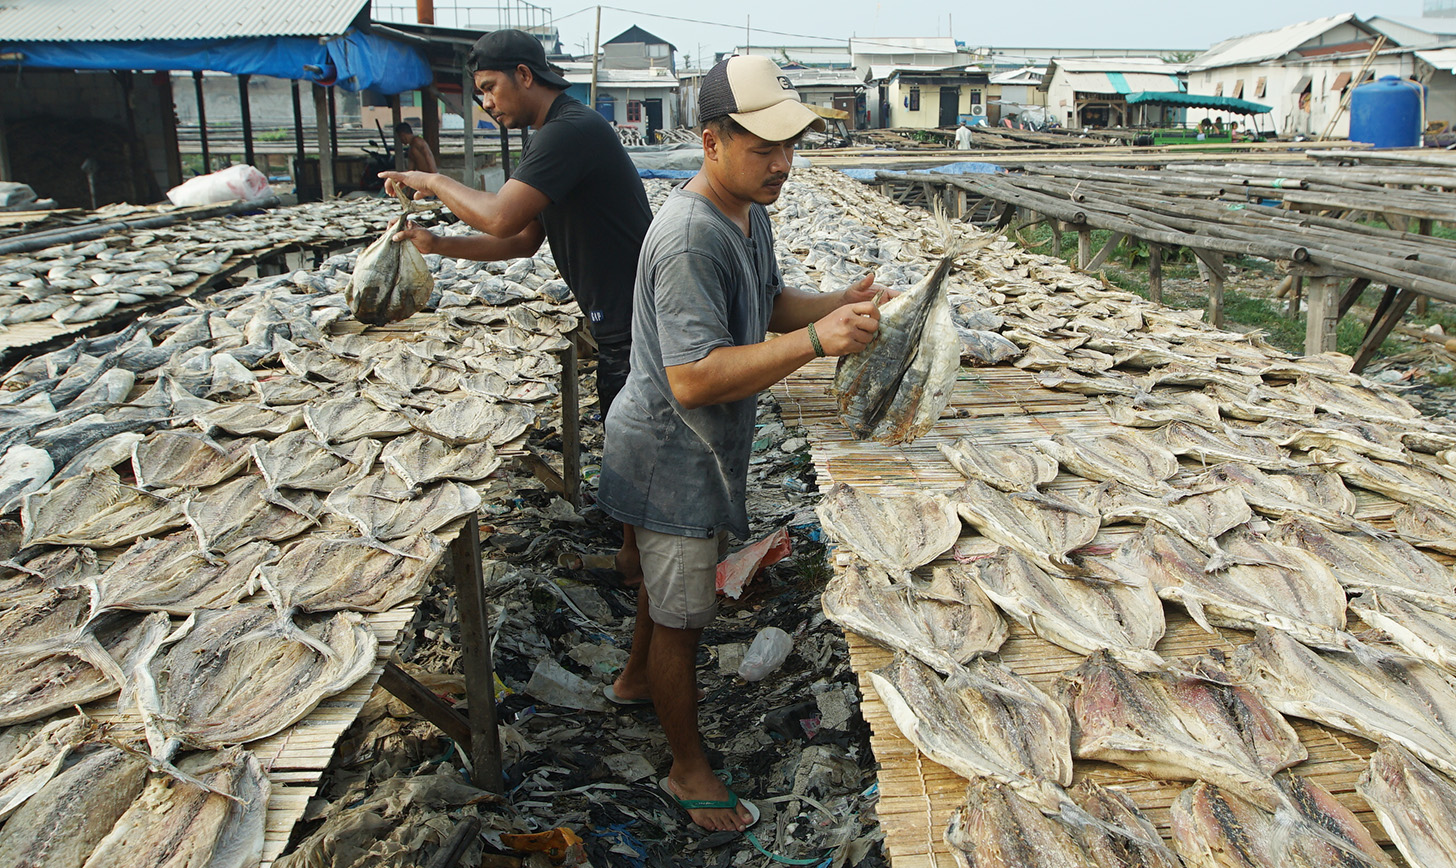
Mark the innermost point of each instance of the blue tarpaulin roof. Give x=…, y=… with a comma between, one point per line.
x=1198, y=100
x=355, y=61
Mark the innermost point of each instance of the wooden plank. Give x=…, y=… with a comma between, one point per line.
x=485, y=755
x=1155, y=273
x=1322, y=312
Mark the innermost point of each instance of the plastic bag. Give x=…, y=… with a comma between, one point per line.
x=391, y=280
x=769, y=649
x=235, y=182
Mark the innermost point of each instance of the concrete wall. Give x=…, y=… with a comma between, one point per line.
x=56, y=119
x=898, y=113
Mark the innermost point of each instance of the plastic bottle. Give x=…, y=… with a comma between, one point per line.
x=769, y=649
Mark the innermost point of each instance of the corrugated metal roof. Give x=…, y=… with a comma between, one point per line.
x=1269, y=45
x=1444, y=58
x=1114, y=64
x=139, y=20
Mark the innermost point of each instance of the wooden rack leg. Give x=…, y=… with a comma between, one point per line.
x=1213, y=264
x=1106, y=251
x=1392, y=307
x=1352, y=295
x=1084, y=248
x=1296, y=292
x=571, y=422
x=1323, y=308
x=485, y=755
x=1155, y=274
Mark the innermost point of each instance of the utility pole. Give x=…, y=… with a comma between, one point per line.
x=596, y=49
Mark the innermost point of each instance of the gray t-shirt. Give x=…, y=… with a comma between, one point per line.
x=700, y=285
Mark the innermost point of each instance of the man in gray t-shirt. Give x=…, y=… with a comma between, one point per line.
x=678, y=440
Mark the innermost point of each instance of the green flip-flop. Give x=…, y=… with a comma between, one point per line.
x=709, y=804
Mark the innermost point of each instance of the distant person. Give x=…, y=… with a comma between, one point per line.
x=418, y=156
x=963, y=137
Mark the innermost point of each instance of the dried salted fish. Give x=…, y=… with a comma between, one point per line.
x=894, y=389
x=897, y=531
x=1286, y=589
x=1365, y=691
x=1406, y=483
x=473, y=419
x=1332, y=432
x=1311, y=492
x=239, y=512
x=407, y=371
x=1198, y=515
x=350, y=417
x=22, y=584
x=325, y=367
x=1044, y=527
x=177, y=824
x=298, y=460
x=59, y=664
x=1261, y=404
x=1161, y=406
x=95, y=510
x=244, y=673
x=1122, y=616
x=1126, y=455
x=942, y=633
x=419, y=459
x=1416, y=805
x=1374, y=403
x=59, y=826
x=391, y=280
x=286, y=390
x=996, y=828
x=1179, y=726
x=172, y=459
x=1112, y=383
x=1214, y=828
x=30, y=755
x=171, y=574
x=982, y=721
x=102, y=455
x=246, y=419
x=1427, y=528
x=1210, y=447
x=1335, y=367
x=381, y=514
x=326, y=575
x=1366, y=563
x=1421, y=631
x=1009, y=468
x=23, y=469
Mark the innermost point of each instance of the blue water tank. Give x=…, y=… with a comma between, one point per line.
x=1388, y=113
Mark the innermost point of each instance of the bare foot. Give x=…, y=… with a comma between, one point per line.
x=710, y=789
x=630, y=691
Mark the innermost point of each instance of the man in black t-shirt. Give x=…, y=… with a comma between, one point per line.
x=575, y=187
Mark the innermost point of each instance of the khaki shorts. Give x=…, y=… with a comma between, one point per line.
x=680, y=576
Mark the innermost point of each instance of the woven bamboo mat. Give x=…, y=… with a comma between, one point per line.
x=1004, y=405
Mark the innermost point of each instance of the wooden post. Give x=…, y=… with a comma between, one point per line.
x=467, y=106
x=395, y=119
x=1392, y=307
x=1423, y=303
x=1296, y=293
x=297, y=129
x=570, y=421
x=325, y=151
x=1323, y=315
x=1155, y=274
x=201, y=120
x=430, y=117
x=1213, y=269
x=485, y=757
x=247, y=112
x=1084, y=247
x=1106, y=251
x=1057, y=228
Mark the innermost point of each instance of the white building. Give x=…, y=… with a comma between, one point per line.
x=925, y=52
x=1092, y=92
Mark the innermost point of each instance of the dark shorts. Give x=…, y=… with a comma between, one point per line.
x=613, y=359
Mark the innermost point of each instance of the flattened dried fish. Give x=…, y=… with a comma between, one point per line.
x=1213, y=828
x=1371, y=693
x=1179, y=726
x=60, y=825
x=1201, y=443
x=348, y=418
x=1312, y=492
x=239, y=512
x=1009, y=468
x=1421, y=631
x=172, y=459
x=1161, y=406
x=1416, y=806
x=30, y=755
x=299, y=460
x=982, y=721
x=1126, y=455
x=176, y=824
x=1365, y=563
x=326, y=575
x=246, y=419
x=23, y=469
x=1123, y=616
x=173, y=575
x=419, y=459
x=941, y=633
x=1198, y=515
x=374, y=507
x=897, y=532
x=1044, y=527
x=1407, y=483
x=894, y=389
x=240, y=674
x=95, y=510
x=473, y=419
x=1427, y=528
x=1374, y=403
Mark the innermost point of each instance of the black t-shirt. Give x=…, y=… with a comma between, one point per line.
x=598, y=213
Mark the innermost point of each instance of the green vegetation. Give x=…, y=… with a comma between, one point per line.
x=1243, y=310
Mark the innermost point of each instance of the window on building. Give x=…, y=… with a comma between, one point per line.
x=915, y=99
x=975, y=97
x=1341, y=81
x=1218, y=90
x=1238, y=89
x=1260, y=86
x=634, y=111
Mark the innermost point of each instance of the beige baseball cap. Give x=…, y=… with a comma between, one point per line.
x=752, y=90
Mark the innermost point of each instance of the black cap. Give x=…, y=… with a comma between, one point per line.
x=506, y=49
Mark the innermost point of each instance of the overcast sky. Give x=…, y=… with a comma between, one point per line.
x=1029, y=23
